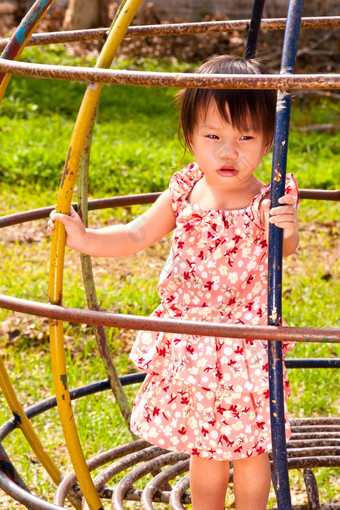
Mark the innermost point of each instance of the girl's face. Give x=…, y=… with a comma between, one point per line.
x=226, y=156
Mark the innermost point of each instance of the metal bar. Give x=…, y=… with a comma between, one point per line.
x=275, y=359
x=19, y=39
x=313, y=363
x=173, y=29
x=141, y=199
x=85, y=115
x=254, y=28
x=26, y=427
x=177, y=80
x=90, y=288
x=78, y=315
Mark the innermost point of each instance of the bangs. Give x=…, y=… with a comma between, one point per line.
x=247, y=109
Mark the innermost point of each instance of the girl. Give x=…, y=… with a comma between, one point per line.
x=209, y=396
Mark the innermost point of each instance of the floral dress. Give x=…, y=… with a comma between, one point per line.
x=203, y=395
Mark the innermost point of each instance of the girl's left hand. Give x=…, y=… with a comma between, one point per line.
x=283, y=216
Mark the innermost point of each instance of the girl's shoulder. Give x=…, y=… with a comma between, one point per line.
x=182, y=183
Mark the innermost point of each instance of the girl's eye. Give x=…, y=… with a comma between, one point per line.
x=245, y=137
x=212, y=137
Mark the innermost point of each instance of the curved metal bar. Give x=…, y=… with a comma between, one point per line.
x=19, y=39
x=8, y=469
x=168, y=29
x=177, y=493
x=159, y=480
x=24, y=497
x=177, y=80
x=275, y=358
x=80, y=131
x=147, y=467
x=141, y=199
x=24, y=424
x=292, y=334
x=96, y=462
x=254, y=28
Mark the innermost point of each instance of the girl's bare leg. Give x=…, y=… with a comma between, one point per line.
x=252, y=479
x=208, y=483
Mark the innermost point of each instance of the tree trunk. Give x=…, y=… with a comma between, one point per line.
x=82, y=14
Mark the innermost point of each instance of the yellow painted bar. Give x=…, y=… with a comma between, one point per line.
x=26, y=426
x=83, y=121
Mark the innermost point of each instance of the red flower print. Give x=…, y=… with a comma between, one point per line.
x=260, y=424
x=220, y=409
x=208, y=285
x=222, y=438
x=204, y=431
x=190, y=349
x=233, y=409
x=239, y=350
x=182, y=431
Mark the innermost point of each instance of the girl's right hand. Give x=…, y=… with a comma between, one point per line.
x=74, y=227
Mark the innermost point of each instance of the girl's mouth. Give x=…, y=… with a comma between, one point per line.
x=226, y=171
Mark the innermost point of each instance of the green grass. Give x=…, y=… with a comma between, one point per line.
x=135, y=149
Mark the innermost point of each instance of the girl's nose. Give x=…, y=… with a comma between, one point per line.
x=227, y=151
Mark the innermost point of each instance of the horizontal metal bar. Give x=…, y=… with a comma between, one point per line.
x=282, y=334
x=140, y=199
x=172, y=29
x=176, y=80
x=313, y=363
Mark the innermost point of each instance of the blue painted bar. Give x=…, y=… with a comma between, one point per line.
x=254, y=28
x=275, y=358
x=23, y=31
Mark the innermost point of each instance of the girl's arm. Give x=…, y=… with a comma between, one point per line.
x=285, y=217
x=118, y=240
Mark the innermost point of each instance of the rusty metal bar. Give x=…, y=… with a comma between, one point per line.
x=289, y=334
x=96, y=462
x=176, y=80
x=155, y=485
x=174, y=29
x=141, y=199
x=147, y=467
x=177, y=493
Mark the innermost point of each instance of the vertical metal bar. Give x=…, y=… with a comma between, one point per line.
x=275, y=359
x=254, y=28
x=90, y=288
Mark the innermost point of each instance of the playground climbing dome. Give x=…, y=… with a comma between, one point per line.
x=315, y=442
